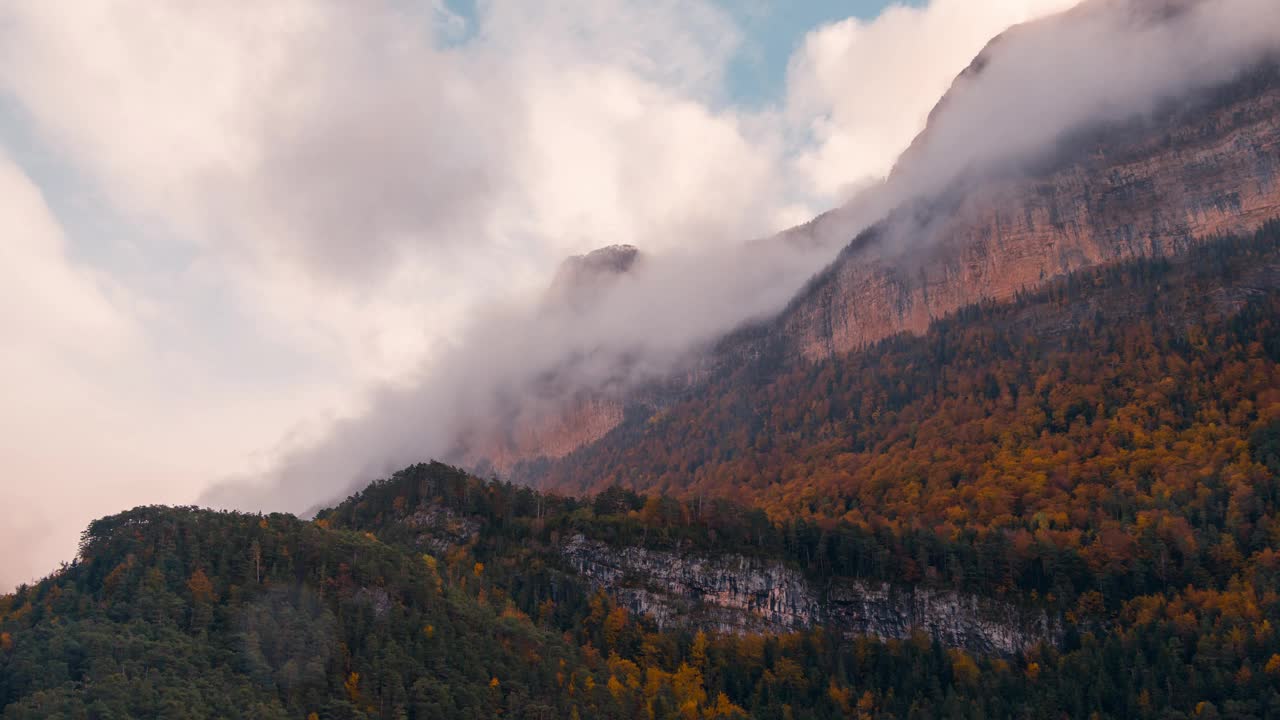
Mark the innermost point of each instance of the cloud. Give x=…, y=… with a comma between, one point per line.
x=861, y=90
x=1102, y=63
x=329, y=190
x=98, y=416
x=339, y=160
x=53, y=316
x=59, y=433
x=367, y=200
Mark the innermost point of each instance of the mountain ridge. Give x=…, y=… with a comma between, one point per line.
x=1201, y=165
x=1114, y=532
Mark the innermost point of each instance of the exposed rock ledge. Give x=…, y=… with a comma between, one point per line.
x=738, y=594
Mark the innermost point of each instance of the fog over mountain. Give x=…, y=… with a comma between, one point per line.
x=255, y=256
x=1104, y=62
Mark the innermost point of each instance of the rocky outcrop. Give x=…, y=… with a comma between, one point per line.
x=555, y=418
x=1201, y=166
x=738, y=594
x=1152, y=189
x=439, y=529
x=548, y=430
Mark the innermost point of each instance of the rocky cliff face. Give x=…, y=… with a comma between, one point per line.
x=737, y=594
x=1154, y=188
x=547, y=430
x=1200, y=166
x=555, y=418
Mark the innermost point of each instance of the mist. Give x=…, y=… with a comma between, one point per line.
x=1104, y=62
x=639, y=327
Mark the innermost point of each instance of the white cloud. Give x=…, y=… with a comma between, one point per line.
x=61, y=326
x=352, y=181
x=97, y=417
x=864, y=89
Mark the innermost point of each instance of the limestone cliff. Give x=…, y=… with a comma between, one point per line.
x=1154, y=188
x=738, y=594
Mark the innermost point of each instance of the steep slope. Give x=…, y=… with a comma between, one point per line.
x=982, y=224
x=1199, y=165
x=554, y=417
x=435, y=595
x=1205, y=167
x=995, y=415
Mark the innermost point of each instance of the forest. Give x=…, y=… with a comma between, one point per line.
x=1107, y=449
x=1115, y=432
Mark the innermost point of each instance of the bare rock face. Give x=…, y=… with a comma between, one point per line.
x=737, y=594
x=556, y=417
x=549, y=429
x=1147, y=191
x=439, y=529
x=1201, y=166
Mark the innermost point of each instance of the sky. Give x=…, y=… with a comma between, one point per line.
x=229, y=226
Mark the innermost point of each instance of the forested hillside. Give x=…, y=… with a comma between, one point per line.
x=1107, y=450
x=1126, y=417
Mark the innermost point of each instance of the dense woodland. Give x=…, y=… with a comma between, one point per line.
x=1108, y=449
x=1122, y=424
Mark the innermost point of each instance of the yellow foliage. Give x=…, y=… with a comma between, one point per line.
x=866, y=704
x=628, y=670
x=842, y=697
x=615, y=687
x=698, y=654
x=687, y=686
x=614, y=624
x=433, y=567
x=725, y=709
x=116, y=575
x=511, y=612
x=963, y=667
x=200, y=586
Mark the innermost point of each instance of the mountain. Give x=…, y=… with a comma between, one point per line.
x=1204, y=167
x=554, y=417
x=1063, y=504
x=1014, y=453
x=582, y=278
x=1197, y=165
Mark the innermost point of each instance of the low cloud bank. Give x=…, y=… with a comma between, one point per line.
x=1104, y=62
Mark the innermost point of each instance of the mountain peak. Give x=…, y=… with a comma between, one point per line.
x=582, y=277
